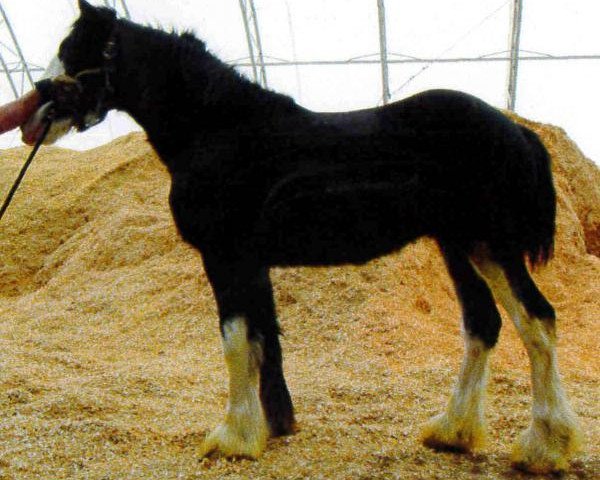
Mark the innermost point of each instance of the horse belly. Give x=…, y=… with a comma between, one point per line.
x=351, y=225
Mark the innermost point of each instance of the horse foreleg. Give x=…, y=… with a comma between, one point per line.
x=259, y=402
x=244, y=431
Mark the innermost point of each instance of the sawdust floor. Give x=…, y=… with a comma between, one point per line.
x=111, y=364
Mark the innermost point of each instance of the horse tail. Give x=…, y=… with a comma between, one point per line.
x=536, y=199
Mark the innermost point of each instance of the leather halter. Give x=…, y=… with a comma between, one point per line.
x=66, y=93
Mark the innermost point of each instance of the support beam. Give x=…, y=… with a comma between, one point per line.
x=515, y=39
x=417, y=61
x=385, y=81
x=255, y=50
x=125, y=10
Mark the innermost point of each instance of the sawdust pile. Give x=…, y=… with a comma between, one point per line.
x=110, y=359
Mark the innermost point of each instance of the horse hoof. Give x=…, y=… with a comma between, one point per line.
x=230, y=441
x=544, y=449
x=443, y=433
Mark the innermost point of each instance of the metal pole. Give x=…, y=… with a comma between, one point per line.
x=261, y=60
x=385, y=81
x=515, y=38
x=249, y=39
x=126, y=10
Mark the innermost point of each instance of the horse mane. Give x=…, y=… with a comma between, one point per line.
x=203, y=92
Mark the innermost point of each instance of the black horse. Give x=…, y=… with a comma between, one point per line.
x=259, y=181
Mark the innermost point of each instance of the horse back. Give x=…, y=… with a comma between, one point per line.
x=330, y=188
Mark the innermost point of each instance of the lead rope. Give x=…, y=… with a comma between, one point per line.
x=15, y=186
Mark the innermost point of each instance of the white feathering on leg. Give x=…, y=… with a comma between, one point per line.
x=244, y=431
x=554, y=434
x=462, y=426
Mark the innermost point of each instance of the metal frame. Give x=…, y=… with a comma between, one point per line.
x=19, y=65
x=13, y=63
x=258, y=64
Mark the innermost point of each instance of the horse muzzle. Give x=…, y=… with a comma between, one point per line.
x=79, y=102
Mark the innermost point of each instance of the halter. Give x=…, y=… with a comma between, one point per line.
x=67, y=93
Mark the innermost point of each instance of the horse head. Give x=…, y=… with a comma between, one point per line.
x=77, y=89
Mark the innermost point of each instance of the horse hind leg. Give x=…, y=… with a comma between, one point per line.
x=553, y=435
x=462, y=426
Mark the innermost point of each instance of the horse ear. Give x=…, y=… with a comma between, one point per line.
x=89, y=12
x=86, y=8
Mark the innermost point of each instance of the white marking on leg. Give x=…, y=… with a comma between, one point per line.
x=554, y=433
x=462, y=426
x=470, y=391
x=244, y=431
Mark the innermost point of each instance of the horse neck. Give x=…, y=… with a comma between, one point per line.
x=175, y=89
